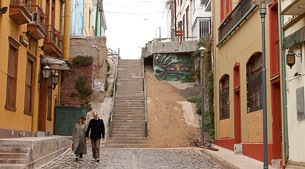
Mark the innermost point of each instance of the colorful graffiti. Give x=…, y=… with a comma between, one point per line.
x=172, y=67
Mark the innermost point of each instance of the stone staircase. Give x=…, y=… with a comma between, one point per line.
x=128, y=125
x=31, y=152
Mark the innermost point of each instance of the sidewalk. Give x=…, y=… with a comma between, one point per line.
x=234, y=160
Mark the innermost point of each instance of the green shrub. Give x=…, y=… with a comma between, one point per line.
x=82, y=88
x=82, y=61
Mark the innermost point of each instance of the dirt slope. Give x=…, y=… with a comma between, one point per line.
x=166, y=123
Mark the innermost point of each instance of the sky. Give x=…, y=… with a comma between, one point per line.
x=132, y=23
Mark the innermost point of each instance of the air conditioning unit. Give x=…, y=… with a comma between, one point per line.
x=33, y=18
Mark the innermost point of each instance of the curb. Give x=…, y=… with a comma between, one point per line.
x=219, y=160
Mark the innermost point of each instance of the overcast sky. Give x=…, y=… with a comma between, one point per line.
x=132, y=23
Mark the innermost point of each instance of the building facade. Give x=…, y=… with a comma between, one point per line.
x=87, y=18
x=293, y=36
x=237, y=42
x=30, y=40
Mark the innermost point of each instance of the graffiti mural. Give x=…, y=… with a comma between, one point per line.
x=172, y=67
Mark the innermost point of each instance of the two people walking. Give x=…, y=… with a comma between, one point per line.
x=96, y=128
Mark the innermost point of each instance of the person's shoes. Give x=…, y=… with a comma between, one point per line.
x=93, y=159
x=76, y=159
x=97, y=160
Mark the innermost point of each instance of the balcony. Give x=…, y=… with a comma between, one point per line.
x=53, y=42
x=36, y=25
x=20, y=11
x=240, y=13
x=296, y=7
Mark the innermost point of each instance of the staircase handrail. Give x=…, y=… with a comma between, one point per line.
x=145, y=103
x=113, y=95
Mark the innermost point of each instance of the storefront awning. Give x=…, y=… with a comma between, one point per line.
x=55, y=63
x=294, y=38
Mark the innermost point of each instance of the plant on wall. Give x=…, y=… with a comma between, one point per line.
x=82, y=61
x=81, y=86
x=208, y=85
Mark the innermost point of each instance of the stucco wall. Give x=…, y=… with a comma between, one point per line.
x=238, y=48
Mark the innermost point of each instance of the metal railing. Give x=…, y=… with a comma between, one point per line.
x=25, y=3
x=38, y=16
x=243, y=9
x=145, y=102
x=113, y=96
x=53, y=36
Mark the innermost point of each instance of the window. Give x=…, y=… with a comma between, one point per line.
x=225, y=8
x=254, y=85
x=224, y=103
x=11, y=86
x=29, y=85
x=204, y=28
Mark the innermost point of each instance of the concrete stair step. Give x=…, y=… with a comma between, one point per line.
x=14, y=149
x=13, y=155
x=13, y=166
x=127, y=140
x=129, y=121
x=129, y=113
x=120, y=145
x=131, y=126
x=128, y=130
x=127, y=108
x=128, y=134
x=13, y=161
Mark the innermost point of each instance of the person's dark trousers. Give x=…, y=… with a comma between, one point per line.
x=96, y=148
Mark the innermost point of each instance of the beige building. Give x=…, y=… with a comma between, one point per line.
x=30, y=39
x=237, y=54
x=293, y=30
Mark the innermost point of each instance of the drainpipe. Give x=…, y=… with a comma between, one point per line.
x=286, y=141
x=67, y=30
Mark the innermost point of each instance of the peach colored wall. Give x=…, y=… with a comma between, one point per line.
x=224, y=128
x=255, y=126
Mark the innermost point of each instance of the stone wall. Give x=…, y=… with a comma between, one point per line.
x=96, y=74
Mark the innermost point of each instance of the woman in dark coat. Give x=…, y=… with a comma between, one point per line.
x=78, y=138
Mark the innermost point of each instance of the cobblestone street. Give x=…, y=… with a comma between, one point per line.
x=138, y=159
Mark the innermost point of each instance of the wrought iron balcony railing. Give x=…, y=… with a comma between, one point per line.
x=53, y=41
x=36, y=24
x=234, y=20
x=20, y=11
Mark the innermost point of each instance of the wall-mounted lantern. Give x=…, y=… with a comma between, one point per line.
x=290, y=57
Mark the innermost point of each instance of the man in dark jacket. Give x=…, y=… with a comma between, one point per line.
x=96, y=125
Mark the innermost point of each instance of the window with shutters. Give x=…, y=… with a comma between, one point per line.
x=11, y=86
x=29, y=85
x=225, y=8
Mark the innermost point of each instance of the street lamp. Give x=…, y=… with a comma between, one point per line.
x=263, y=11
x=202, y=49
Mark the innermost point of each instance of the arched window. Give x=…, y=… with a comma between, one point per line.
x=224, y=97
x=254, y=85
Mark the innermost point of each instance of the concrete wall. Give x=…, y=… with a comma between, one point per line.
x=173, y=67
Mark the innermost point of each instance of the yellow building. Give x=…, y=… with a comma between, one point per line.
x=30, y=39
x=238, y=76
